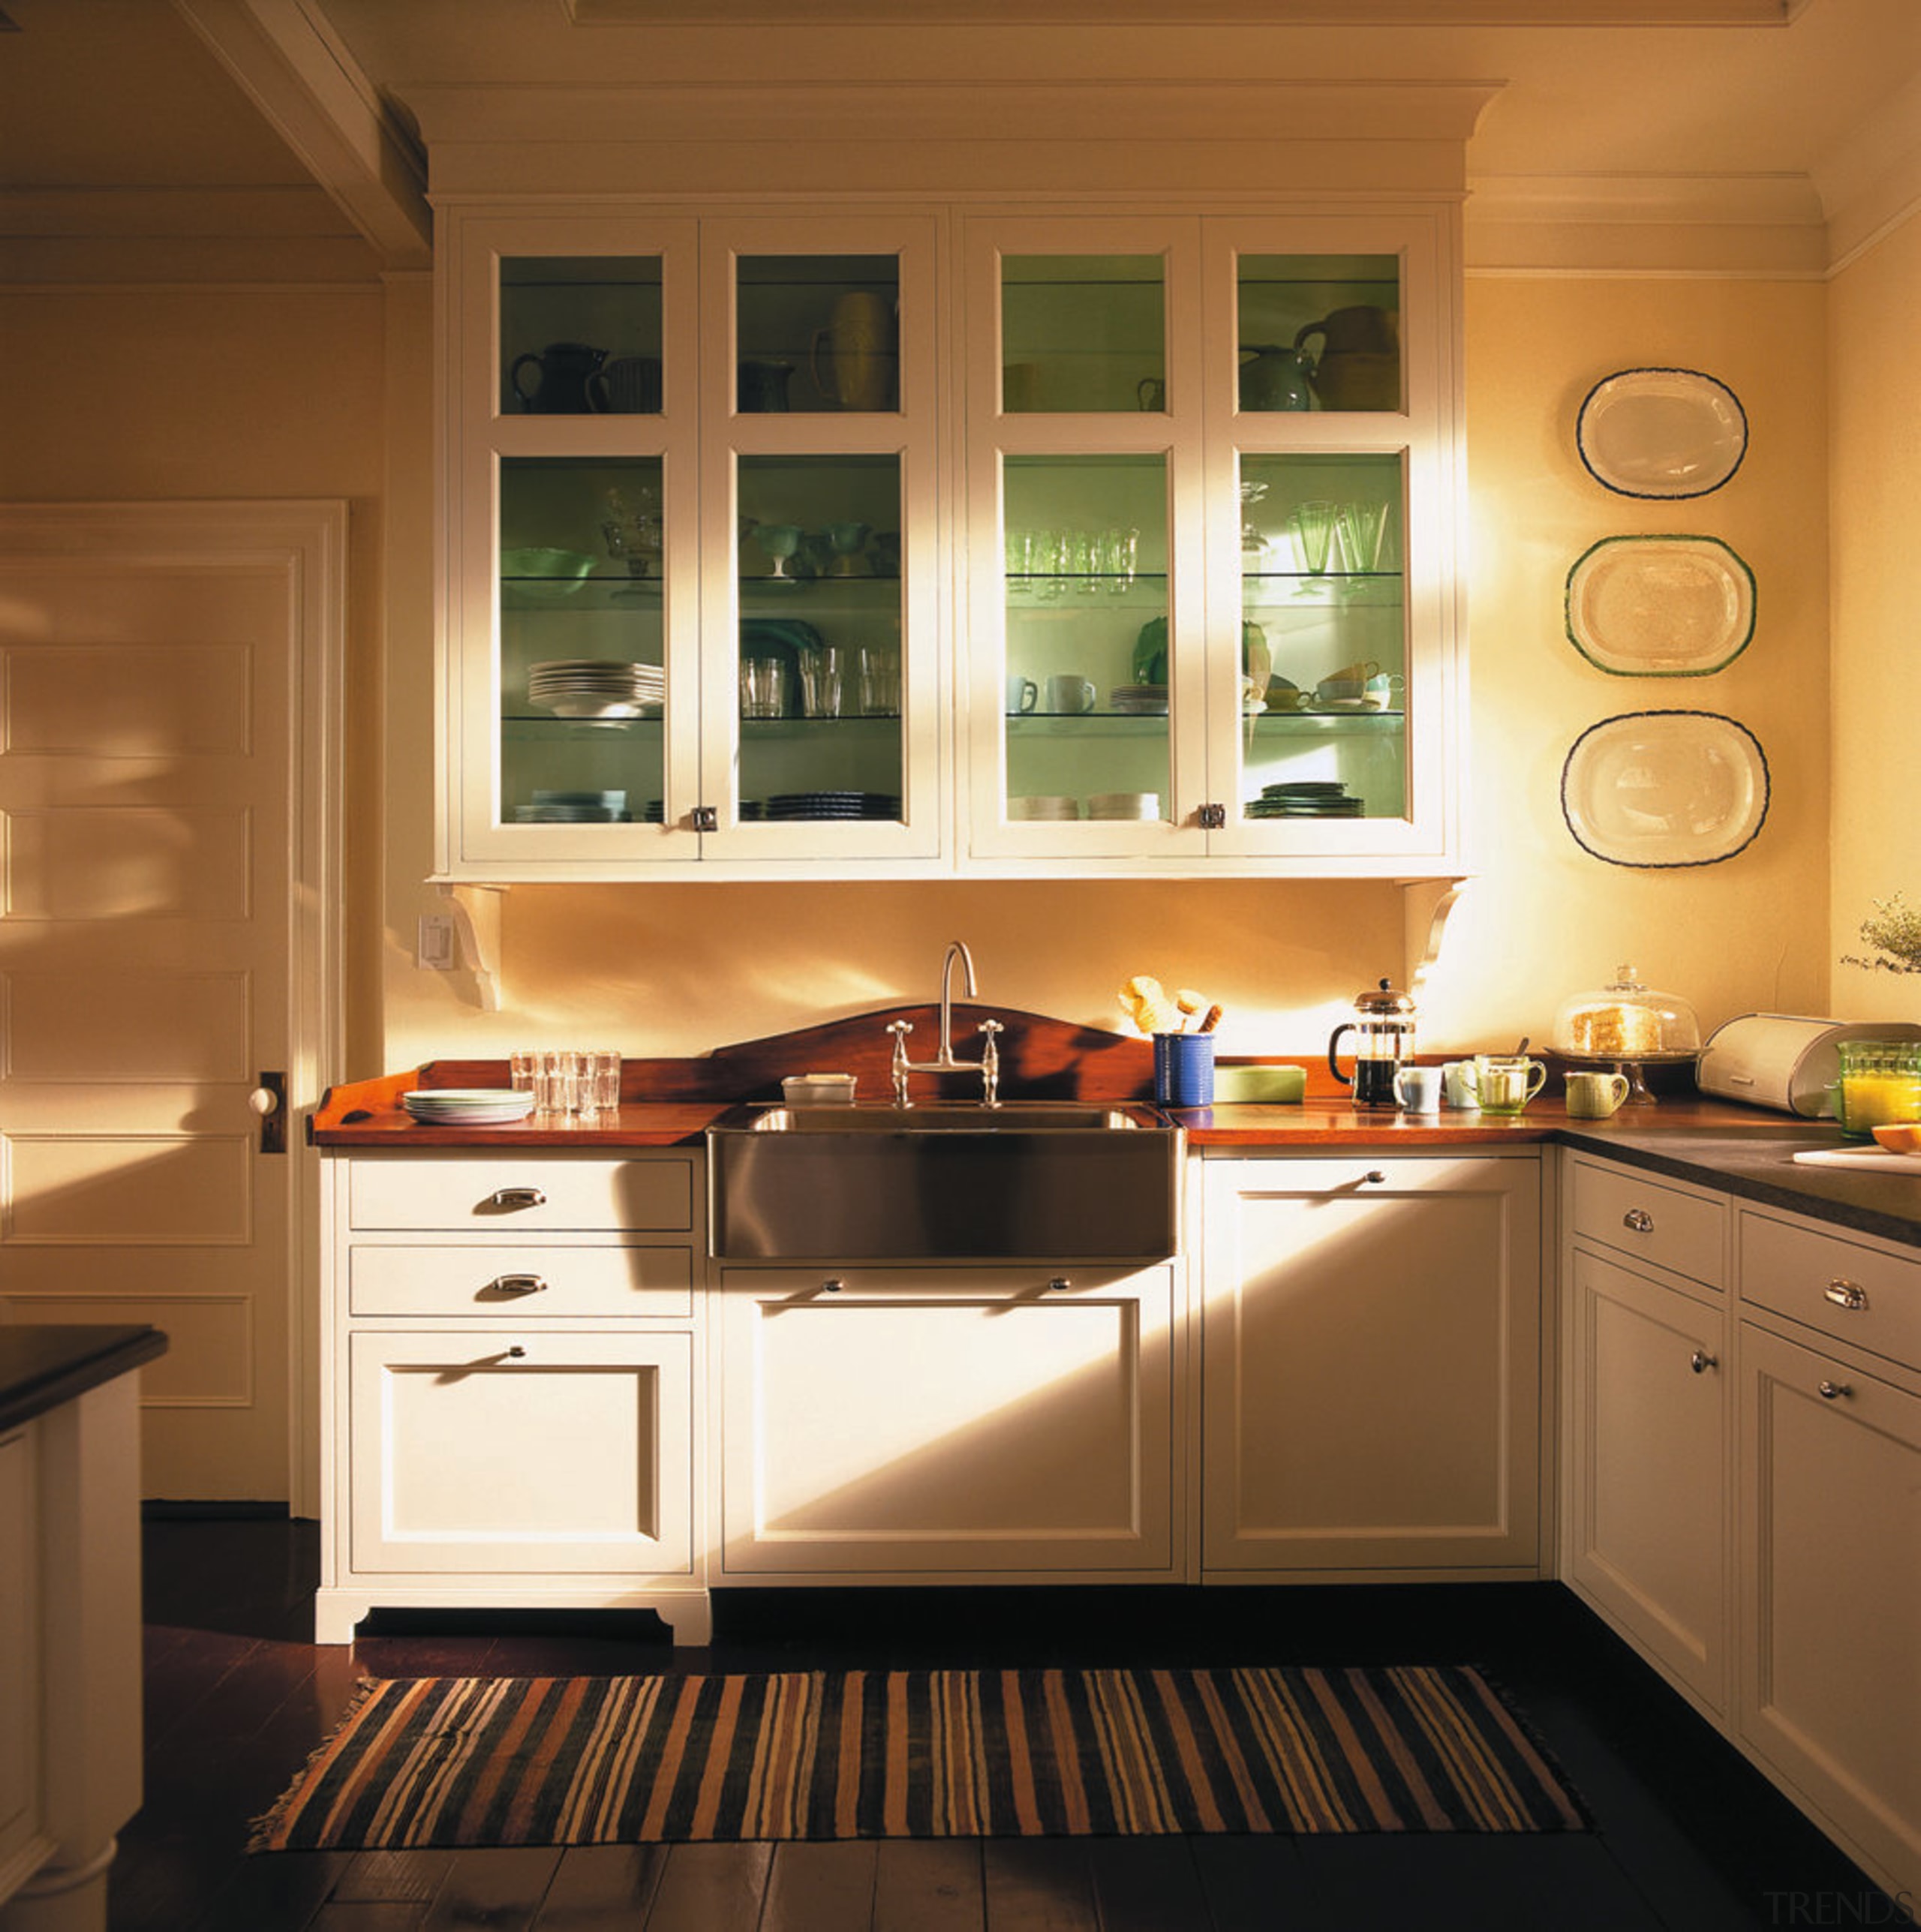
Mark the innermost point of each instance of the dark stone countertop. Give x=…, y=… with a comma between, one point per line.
x=44, y=1364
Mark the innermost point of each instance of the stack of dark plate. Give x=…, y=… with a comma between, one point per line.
x=833, y=805
x=1307, y=799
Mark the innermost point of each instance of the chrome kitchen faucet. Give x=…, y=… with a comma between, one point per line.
x=988, y=1066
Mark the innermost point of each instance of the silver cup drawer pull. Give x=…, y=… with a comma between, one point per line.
x=1639, y=1219
x=1846, y=1294
x=517, y=1198
x=517, y=1285
x=1830, y=1391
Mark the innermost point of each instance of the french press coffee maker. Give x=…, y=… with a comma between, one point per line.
x=1383, y=1030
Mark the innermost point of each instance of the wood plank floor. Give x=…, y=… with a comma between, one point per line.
x=1689, y=1837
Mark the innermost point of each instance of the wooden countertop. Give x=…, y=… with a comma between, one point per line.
x=44, y=1364
x=1715, y=1143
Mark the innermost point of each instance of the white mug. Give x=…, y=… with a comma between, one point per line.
x=1418, y=1089
x=1070, y=694
x=1022, y=695
x=1595, y=1096
x=1456, y=1084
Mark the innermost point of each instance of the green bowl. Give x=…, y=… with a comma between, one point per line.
x=543, y=576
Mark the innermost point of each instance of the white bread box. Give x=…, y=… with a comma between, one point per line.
x=1785, y=1060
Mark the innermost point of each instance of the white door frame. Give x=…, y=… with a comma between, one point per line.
x=306, y=538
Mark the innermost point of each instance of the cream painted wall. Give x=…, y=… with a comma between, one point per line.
x=134, y=394
x=326, y=392
x=678, y=968
x=1544, y=918
x=1875, y=387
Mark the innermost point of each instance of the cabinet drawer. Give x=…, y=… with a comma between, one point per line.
x=1854, y=1293
x=506, y=1193
x=1042, y=1281
x=1636, y=1214
x=625, y=1279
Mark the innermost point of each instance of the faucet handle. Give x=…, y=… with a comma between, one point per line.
x=900, y=1029
x=991, y=1027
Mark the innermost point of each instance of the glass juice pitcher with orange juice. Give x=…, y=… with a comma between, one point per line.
x=1879, y=1084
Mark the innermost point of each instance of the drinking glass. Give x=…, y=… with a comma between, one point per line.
x=879, y=680
x=1362, y=527
x=557, y=1080
x=823, y=674
x=523, y=1071
x=763, y=688
x=780, y=540
x=600, y=1085
x=1313, y=525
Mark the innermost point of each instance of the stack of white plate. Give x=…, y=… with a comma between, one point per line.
x=1045, y=806
x=1139, y=700
x=1124, y=805
x=469, y=1107
x=597, y=687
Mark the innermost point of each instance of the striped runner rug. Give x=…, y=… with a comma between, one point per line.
x=919, y=1753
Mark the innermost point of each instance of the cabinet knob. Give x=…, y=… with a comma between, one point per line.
x=705, y=819
x=517, y=1285
x=1701, y=1362
x=832, y=1285
x=1211, y=818
x=1639, y=1219
x=1059, y=1283
x=1829, y=1391
x=515, y=1351
x=517, y=1197
x=1846, y=1294
x=1374, y=1176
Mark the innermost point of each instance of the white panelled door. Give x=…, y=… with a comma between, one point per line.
x=168, y=896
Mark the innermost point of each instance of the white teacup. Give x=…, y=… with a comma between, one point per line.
x=1418, y=1089
x=1069, y=694
x=1022, y=695
x=1457, y=1084
x=1595, y=1096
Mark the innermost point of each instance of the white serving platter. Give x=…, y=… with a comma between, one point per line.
x=1661, y=433
x=1660, y=606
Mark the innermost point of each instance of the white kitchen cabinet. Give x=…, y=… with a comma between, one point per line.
x=1647, y=1412
x=993, y=1423
x=1169, y=508
x=1371, y=1366
x=511, y=1384
x=682, y=438
x=1829, y=1687
x=1646, y=1415
x=22, y=1847
x=676, y=444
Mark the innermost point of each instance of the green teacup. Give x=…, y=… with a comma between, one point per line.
x=1504, y=1082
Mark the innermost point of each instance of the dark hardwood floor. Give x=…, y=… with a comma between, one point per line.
x=1689, y=1837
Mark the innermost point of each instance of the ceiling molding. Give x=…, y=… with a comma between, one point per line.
x=1872, y=184
x=1770, y=226
x=297, y=72
x=790, y=14
x=951, y=136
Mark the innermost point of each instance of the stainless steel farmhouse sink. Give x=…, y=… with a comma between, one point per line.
x=1035, y=1180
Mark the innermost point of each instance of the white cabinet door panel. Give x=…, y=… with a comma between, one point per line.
x=1371, y=1339
x=982, y=1421
x=515, y=1452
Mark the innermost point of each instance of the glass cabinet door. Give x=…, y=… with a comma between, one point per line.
x=1330, y=538
x=821, y=730
x=1086, y=569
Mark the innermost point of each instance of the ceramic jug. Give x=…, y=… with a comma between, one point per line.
x=763, y=386
x=1360, y=364
x=856, y=358
x=1276, y=377
x=559, y=377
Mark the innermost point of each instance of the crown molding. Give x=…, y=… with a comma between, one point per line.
x=1872, y=184
x=950, y=136
x=1773, y=226
x=1191, y=13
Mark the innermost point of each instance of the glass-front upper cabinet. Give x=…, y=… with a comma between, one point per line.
x=1208, y=611
x=690, y=604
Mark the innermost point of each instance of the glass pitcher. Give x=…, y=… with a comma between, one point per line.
x=1879, y=1084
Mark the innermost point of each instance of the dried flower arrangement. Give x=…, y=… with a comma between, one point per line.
x=1894, y=933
